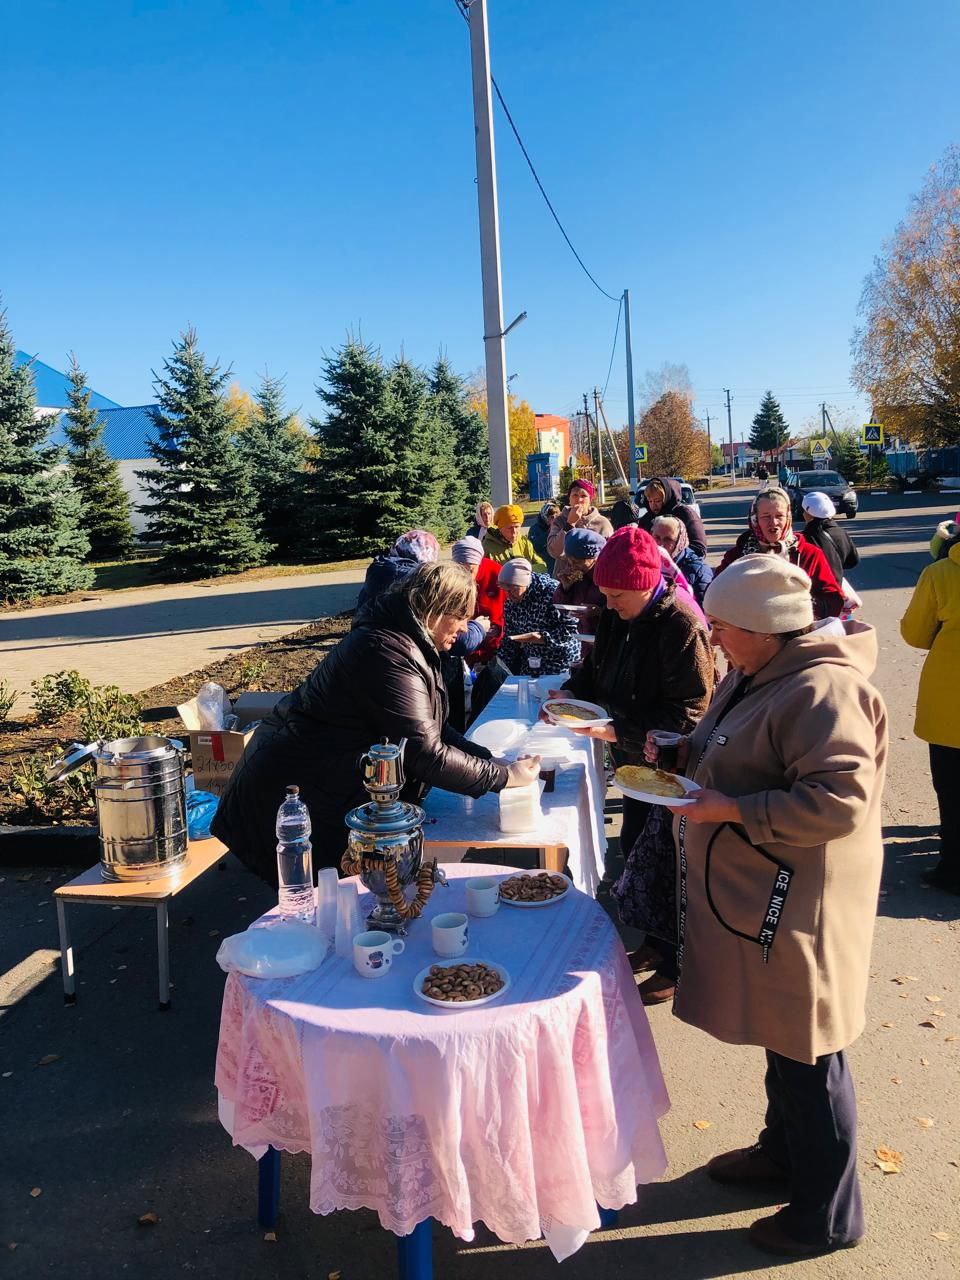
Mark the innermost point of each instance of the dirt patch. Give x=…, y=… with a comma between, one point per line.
x=279, y=664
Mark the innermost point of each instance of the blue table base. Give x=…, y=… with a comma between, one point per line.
x=414, y=1252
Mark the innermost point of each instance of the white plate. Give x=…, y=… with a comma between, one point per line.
x=547, y=902
x=669, y=802
x=574, y=608
x=461, y=1004
x=601, y=715
x=497, y=736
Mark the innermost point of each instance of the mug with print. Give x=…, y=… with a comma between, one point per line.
x=373, y=952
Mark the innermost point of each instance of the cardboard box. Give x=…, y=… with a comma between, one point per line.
x=215, y=752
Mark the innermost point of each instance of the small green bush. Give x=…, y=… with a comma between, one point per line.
x=54, y=695
x=8, y=696
x=72, y=797
x=107, y=713
x=251, y=671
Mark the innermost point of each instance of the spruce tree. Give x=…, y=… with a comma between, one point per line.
x=436, y=495
x=769, y=431
x=96, y=476
x=468, y=432
x=203, y=508
x=356, y=497
x=274, y=450
x=42, y=545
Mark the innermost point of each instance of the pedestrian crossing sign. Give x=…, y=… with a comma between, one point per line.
x=872, y=433
x=640, y=453
x=820, y=451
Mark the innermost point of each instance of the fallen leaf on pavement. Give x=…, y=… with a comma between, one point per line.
x=895, y=1080
x=886, y=1024
x=48, y=1058
x=888, y=1160
x=928, y=1022
x=270, y=1237
x=933, y=999
x=949, y=1038
x=887, y=1166
x=955, y=1163
x=899, y=980
x=148, y=1219
x=702, y=1124
x=938, y=1013
x=36, y=1191
x=942, y=1235
x=924, y=1122
x=924, y=1062
x=334, y=1275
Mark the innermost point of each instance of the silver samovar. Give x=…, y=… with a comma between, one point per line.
x=385, y=846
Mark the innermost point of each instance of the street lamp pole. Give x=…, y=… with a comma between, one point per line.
x=493, y=331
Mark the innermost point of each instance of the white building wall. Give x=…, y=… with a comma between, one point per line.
x=136, y=491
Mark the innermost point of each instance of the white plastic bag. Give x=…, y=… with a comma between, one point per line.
x=210, y=700
x=280, y=950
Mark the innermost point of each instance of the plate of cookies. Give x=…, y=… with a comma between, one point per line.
x=534, y=889
x=462, y=983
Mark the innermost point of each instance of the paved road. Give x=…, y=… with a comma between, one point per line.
x=125, y=1121
x=140, y=638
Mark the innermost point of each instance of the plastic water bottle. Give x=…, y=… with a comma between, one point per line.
x=295, y=859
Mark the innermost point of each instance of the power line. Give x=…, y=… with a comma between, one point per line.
x=616, y=334
x=463, y=7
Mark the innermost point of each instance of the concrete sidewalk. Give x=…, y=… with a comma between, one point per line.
x=142, y=637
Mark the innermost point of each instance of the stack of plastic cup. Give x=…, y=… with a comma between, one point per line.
x=349, y=917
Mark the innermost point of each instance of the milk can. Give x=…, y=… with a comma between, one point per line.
x=141, y=804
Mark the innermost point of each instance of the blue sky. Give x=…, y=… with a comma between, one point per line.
x=280, y=173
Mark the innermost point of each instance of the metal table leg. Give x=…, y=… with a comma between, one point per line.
x=415, y=1252
x=163, y=955
x=66, y=955
x=268, y=1188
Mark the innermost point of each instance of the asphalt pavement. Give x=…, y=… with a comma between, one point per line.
x=124, y=1121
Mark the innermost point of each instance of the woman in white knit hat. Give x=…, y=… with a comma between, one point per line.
x=779, y=861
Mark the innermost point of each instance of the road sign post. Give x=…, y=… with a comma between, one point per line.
x=639, y=458
x=820, y=451
x=872, y=433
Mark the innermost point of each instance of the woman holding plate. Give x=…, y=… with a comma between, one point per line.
x=650, y=667
x=780, y=853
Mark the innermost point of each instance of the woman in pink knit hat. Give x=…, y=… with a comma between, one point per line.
x=651, y=668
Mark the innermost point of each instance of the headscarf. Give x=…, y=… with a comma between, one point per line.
x=419, y=545
x=680, y=541
x=755, y=543
x=548, y=512
x=478, y=514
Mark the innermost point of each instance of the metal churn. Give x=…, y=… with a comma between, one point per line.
x=141, y=804
x=385, y=845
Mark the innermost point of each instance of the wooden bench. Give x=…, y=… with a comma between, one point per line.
x=91, y=888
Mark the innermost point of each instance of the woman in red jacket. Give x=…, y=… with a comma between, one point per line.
x=490, y=596
x=771, y=533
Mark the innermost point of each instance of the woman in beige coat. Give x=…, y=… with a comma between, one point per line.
x=779, y=860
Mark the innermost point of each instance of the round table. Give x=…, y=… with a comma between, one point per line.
x=524, y=1114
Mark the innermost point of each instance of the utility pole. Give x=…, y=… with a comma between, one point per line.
x=493, y=344
x=631, y=418
x=596, y=415
x=709, y=451
x=613, y=446
x=733, y=473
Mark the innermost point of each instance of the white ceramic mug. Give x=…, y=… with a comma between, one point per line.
x=483, y=896
x=373, y=952
x=450, y=933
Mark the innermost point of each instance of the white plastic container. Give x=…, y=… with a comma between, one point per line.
x=520, y=808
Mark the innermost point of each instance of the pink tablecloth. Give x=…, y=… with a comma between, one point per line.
x=523, y=1114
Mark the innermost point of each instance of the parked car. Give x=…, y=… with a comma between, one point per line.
x=831, y=483
x=687, y=495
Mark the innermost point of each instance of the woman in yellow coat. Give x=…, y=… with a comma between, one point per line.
x=932, y=622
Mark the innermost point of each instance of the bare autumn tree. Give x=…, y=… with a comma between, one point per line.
x=657, y=382
x=675, y=445
x=907, y=351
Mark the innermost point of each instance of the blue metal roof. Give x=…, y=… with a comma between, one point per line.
x=53, y=386
x=125, y=433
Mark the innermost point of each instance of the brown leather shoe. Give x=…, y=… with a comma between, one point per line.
x=767, y=1234
x=746, y=1167
x=644, y=959
x=656, y=989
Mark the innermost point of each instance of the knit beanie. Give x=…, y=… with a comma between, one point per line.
x=761, y=593
x=819, y=506
x=509, y=514
x=419, y=545
x=586, y=486
x=583, y=544
x=630, y=561
x=516, y=573
x=467, y=551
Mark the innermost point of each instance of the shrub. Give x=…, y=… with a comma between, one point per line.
x=251, y=671
x=8, y=696
x=107, y=713
x=56, y=694
x=72, y=797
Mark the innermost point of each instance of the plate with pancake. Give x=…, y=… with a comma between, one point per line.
x=643, y=782
x=575, y=713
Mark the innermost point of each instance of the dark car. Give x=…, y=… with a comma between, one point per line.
x=831, y=483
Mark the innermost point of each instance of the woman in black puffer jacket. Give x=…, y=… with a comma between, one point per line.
x=382, y=680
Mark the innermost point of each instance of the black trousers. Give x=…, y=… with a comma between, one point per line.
x=811, y=1132
x=945, y=772
x=634, y=817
